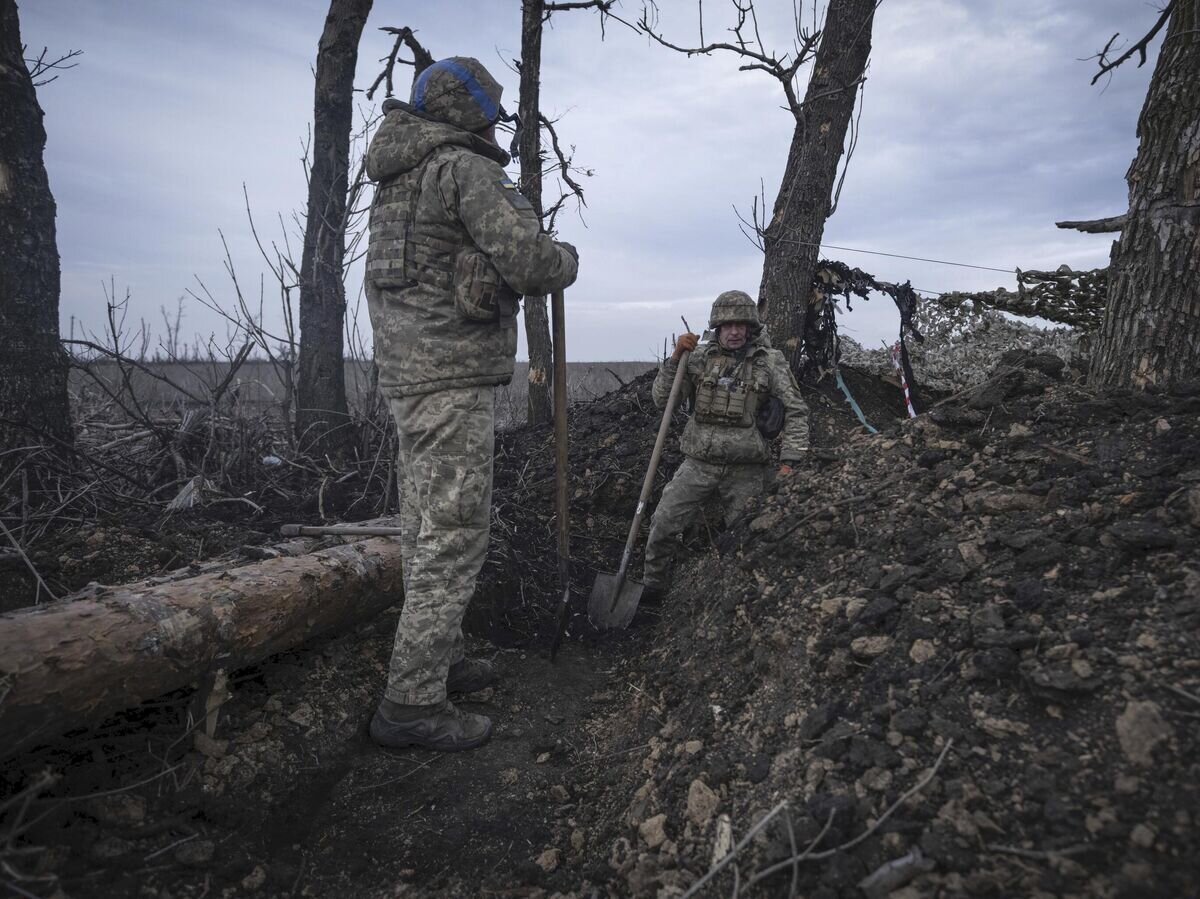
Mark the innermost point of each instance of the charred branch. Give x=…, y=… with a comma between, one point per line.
x=422, y=59
x=1096, y=226
x=1107, y=65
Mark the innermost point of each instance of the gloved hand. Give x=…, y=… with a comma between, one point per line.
x=570, y=248
x=684, y=343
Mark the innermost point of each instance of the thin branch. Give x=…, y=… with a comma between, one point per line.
x=850, y=844
x=602, y=5
x=17, y=546
x=39, y=67
x=117, y=356
x=742, y=843
x=564, y=163
x=421, y=60
x=1107, y=65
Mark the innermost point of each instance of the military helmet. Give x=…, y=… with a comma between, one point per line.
x=733, y=306
x=458, y=91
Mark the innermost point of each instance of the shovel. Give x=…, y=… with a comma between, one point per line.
x=561, y=505
x=614, y=597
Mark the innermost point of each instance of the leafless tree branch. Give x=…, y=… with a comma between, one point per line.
x=40, y=66
x=1107, y=65
x=1097, y=226
x=602, y=5
x=422, y=59
x=782, y=68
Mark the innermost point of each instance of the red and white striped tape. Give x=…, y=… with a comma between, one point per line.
x=908, y=403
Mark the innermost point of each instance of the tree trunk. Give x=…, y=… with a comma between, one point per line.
x=75, y=662
x=321, y=413
x=1151, y=331
x=797, y=224
x=33, y=369
x=537, y=326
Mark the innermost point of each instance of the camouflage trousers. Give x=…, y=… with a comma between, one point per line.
x=694, y=483
x=446, y=443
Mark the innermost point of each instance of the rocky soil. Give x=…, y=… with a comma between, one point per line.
x=955, y=658
x=965, y=656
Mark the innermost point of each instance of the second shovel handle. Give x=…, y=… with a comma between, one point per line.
x=648, y=483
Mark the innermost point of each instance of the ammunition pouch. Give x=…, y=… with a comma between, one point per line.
x=480, y=294
x=731, y=400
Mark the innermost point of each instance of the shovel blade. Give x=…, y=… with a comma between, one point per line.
x=613, y=601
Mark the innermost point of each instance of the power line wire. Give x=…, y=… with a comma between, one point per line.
x=829, y=246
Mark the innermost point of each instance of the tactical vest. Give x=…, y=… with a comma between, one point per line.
x=730, y=399
x=404, y=251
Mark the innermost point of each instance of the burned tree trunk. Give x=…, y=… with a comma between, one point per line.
x=33, y=370
x=791, y=239
x=74, y=662
x=537, y=325
x=321, y=412
x=1151, y=332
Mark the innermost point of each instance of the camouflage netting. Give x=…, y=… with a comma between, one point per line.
x=962, y=345
x=959, y=336
x=1064, y=296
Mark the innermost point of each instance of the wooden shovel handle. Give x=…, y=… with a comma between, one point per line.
x=648, y=483
x=558, y=315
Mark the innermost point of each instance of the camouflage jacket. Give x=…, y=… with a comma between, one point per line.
x=441, y=191
x=721, y=443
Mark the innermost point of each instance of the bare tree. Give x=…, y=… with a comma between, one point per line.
x=839, y=52
x=33, y=367
x=321, y=413
x=534, y=15
x=1151, y=331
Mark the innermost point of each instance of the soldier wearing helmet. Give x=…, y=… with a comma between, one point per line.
x=732, y=380
x=453, y=246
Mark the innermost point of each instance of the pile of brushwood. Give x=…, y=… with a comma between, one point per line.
x=964, y=659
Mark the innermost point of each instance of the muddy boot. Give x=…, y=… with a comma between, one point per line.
x=652, y=597
x=470, y=676
x=440, y=727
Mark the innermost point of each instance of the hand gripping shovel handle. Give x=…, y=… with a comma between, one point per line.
x=648, y=483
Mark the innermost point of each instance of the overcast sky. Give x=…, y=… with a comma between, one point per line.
x=979, y=130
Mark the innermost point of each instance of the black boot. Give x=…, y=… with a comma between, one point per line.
x=470, y=676
x=652, y=596
x=440, y=727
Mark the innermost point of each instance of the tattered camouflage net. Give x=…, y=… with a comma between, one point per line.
x=836, y=279
x=1065, y=296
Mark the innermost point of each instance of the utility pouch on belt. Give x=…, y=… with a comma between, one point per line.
x=770, y=417
x=480, y=294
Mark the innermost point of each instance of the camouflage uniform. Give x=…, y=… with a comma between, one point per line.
x=725, y=453
x=452, y=247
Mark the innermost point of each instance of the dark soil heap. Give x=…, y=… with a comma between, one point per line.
x=958, y=658
x=966, y=655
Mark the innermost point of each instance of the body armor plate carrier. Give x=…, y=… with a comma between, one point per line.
x=730, y=399
x=402, y=254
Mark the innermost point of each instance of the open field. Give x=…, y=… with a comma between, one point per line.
x=263, y=384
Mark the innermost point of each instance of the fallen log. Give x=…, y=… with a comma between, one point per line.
x=75, y=662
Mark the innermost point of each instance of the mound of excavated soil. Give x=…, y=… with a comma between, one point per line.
x=963, y=651
x=966, y=656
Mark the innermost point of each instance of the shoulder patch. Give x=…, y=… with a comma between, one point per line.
x=513, y=195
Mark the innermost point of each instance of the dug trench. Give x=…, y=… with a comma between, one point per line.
x=957, y=657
